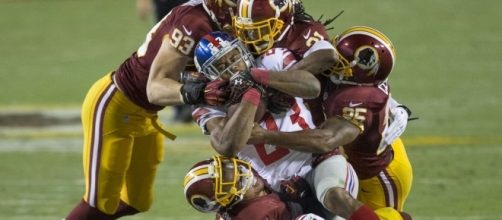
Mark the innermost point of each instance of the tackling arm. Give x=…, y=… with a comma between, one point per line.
x=284, y=74
x=163, y=87
x=318, y=61
x=298, y=83
x=333, y=133
x=299, y=80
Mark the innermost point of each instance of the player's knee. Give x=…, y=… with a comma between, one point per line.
x=338, y=201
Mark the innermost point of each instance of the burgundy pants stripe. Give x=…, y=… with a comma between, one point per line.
x=389, y=188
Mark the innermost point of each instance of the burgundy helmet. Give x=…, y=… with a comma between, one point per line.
x=366, y=57
x=219, y=182
x=221, y=12
x=260, y=23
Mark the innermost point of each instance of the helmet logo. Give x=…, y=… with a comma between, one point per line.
x=367, y=58
x=218, y=43
x=282, y=5
x=202, y=203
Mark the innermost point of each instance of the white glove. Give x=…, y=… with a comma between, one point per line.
x=309, y=216
x=398, y=121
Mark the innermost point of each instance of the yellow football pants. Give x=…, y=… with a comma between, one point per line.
x=122, y=149
x=391, y=186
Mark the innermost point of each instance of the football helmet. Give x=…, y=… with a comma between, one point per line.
x=217, y=183
x=366, y=57
x=221, y=12
x=215, y=46
x=260, y=23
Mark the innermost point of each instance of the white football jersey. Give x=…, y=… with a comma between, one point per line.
x=273, y=163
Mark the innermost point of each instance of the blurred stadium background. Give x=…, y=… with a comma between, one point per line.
x=447, y=72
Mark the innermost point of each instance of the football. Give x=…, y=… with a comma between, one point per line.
x=260, y=111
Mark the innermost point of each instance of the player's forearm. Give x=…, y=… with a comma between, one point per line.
x=342, y=131
x=164, y=92
x=297, y=83
x=318, y=61
x=335, y=132
x=313, y=141
x=237, y=129
x=163, y=87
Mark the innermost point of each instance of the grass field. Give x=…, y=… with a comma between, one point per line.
x=447, y=71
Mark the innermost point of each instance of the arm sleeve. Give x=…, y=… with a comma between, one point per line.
x=202, y=114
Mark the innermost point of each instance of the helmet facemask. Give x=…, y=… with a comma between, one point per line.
x=234, y=180
x=258, y=36
x=261, y=23
x=218, y=66
x=342, y=68
x=218, y=183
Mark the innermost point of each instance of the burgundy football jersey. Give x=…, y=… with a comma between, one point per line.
x=366, y=107
x=301, y=36
x=260, y=208
x=184, y=27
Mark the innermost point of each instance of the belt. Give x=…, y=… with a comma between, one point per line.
x=154, y=118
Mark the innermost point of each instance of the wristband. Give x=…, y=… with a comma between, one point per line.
x=252, y=96
x=260, y=76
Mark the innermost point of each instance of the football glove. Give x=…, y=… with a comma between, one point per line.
x=310, y=216
x=199, y=92
x=398, y=120
x=192, y=92
x=298, y=190
x=192, y=76
x=295, y=189
x=238, y=85
x=215, y=92
x=279, y=102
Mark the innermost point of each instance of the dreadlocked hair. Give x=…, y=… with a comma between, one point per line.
x=329, y=20
x=300, y=14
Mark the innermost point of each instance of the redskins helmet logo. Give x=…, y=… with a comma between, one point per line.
x=203, y=204
x=367, y=58
x=283, y=5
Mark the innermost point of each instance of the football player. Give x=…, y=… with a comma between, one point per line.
x=332, y=178
x=123, y=141
x=358, y=107
x=181, y=113
x=263, y=24
x=230, y=187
